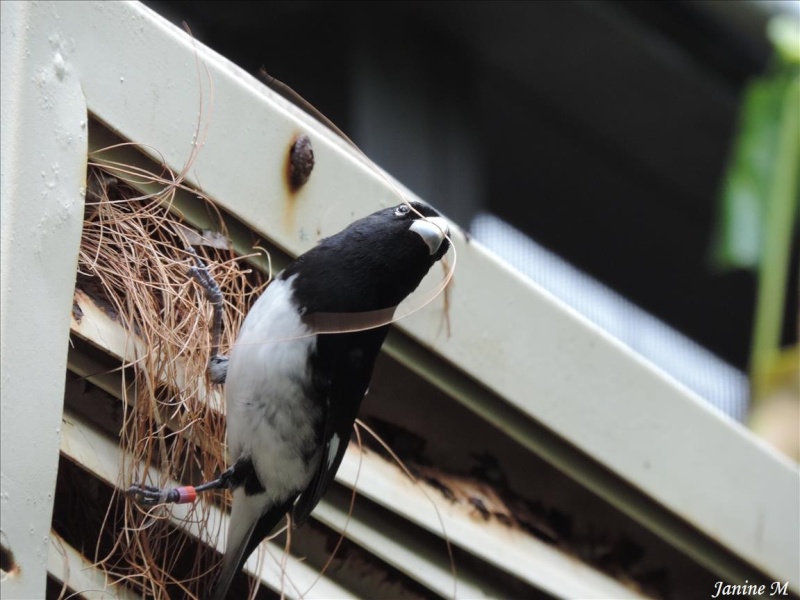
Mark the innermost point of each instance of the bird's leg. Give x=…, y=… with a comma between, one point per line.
x=150, y=495
x=217, y=364
x=218, y=370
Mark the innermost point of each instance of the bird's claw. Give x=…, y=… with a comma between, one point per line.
x=150, y=496
x=147, y=495
x=199, y=271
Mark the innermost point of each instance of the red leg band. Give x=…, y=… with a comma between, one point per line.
x=186, y=494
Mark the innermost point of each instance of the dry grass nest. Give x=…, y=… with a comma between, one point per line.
x=134, y=264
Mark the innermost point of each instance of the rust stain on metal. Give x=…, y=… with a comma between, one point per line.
x=300, y=162
x=298, y=167
x=7, y=563
x=77, y=312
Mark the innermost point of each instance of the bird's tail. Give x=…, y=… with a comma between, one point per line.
x=240, y=529
x=230, y=566
x=252, y=519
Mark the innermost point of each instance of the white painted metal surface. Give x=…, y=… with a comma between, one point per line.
x=44, y=136
x=547, y=365
x=73, y=569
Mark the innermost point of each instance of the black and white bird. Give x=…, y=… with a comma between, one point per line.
x=292, y=393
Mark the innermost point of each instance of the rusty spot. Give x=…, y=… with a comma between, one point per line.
x=7, y=562
x=479, y=505
x=87, y=289
x=301, y=161
x=438, y=485
x=504, y=519
x=77, y=312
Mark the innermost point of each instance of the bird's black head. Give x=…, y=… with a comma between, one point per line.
x=374, y=263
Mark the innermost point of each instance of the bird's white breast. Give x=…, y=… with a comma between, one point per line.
x=270, y=418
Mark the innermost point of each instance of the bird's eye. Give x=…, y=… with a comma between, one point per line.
x=401, y=210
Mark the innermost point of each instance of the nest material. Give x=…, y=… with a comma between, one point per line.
x=133, y=262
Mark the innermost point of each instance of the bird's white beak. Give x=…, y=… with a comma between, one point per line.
x=432, y=231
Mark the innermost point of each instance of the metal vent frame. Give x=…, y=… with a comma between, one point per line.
x=516, y=357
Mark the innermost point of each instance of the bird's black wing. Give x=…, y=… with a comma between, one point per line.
x=345, y=363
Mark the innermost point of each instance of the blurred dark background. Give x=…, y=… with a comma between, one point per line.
x=599, y=129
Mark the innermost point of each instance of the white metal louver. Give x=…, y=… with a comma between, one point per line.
x=576, y=420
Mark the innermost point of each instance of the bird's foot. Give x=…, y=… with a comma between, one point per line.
x=218, y=368
x=218, y=364
x=202, y=275
x=148, y=495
